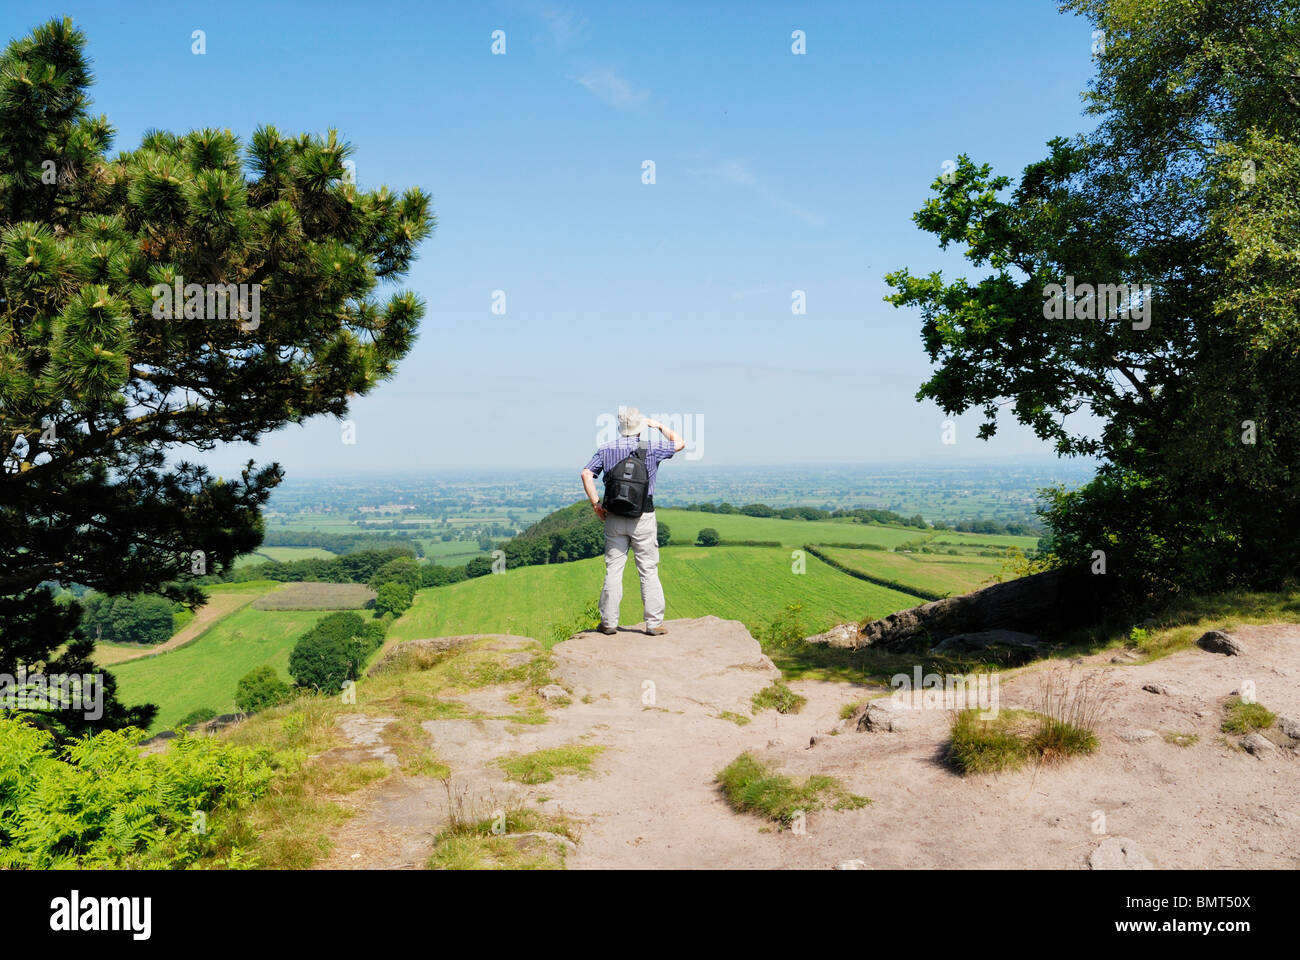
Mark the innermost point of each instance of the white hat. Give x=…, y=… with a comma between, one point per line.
x=630, y=421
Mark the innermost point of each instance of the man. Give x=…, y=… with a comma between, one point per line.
x=641, y=533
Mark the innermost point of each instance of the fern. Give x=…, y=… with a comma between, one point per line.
x=101, y=803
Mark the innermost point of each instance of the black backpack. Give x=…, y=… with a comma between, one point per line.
x=627, y=485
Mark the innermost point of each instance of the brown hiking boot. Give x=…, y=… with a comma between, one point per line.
x=607, y=630
x=656, y=631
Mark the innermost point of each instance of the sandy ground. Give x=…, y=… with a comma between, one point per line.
x=658, y=704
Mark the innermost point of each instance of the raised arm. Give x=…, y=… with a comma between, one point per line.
x=678, y=443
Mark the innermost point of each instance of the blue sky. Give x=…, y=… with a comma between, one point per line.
x=774, y=172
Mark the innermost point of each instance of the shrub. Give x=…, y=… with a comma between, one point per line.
x=261, y=688
x=201, y=715
x=708, y=537
x=587, y=619
x=778, y=697
x=786, y=627
x=662, y=534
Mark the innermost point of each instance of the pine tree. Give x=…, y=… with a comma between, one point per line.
x=104, y=370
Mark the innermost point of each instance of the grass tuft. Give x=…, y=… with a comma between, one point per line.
x=515, y=841
x=983, y=743
x=778, y=697
x=543, y=765
x=751, y=787
x=1243, y=717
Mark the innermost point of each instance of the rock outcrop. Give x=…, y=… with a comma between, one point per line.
x=1043, y=604
x=1216, y=641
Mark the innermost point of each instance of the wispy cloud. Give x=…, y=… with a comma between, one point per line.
x=606, y=83
x=562, y=23
x=736, y=171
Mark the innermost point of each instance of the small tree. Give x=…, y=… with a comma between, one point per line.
x=403, y=569
x=708, y=537
x=394, y=597
x=323, y=662
x=662, y=534
x=260, y=688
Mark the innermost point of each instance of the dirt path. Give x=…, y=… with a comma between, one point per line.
x=218, y=606
x=664, y=709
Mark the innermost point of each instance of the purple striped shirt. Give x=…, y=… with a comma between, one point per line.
x=608, y=455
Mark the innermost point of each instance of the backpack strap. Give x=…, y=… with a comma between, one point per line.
x=642, y=448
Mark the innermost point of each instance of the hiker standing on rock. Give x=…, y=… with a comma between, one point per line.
x=628, y=510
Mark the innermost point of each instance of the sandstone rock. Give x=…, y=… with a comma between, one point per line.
x=552, y=692
x=844, y=635
x=1118, y=853
x=1136, y=735
x=1009, y=646
x=1216, y=641
x=692, y=666
x=1258, y=744
x=1290, y=726
x=851, y=865
x=882, y=716
x=1162, y=688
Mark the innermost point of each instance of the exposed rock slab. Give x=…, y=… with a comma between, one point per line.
x=1043, y=604
x=1216, y=641
x=707, y=662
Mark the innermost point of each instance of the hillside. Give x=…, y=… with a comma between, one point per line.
x=750, y=584
x=569, y=518
x=201, y=666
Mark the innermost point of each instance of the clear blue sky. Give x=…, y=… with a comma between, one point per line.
x=775, y=172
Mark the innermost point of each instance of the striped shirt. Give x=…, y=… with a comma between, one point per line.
x=609, y=454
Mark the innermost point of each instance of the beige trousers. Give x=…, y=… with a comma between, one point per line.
x=641, y=534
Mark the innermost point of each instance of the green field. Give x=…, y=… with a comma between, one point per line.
x=939, y=573
x=323, y=522
x=686, y=525
x=949, y=537
x=449, y=553
x=204, y=673
x=750, y=584
x=283, y=555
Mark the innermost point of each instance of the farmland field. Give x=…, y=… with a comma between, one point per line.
x=949, y=537
x=750, y=584
x=316, y=596
x=686, y=524
x=205, y=672
x=939, y=573
x=449, y=553
x=283, y=555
